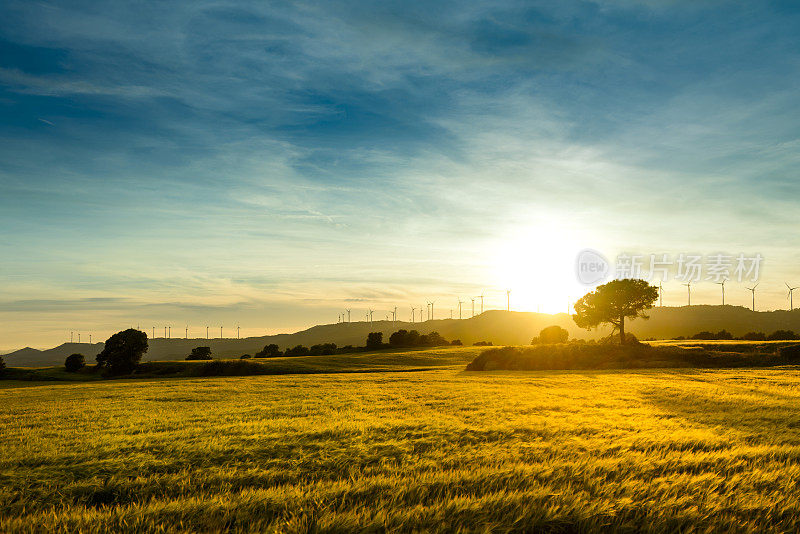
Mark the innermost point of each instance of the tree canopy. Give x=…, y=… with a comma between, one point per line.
x=123, y=351
x=613, y=302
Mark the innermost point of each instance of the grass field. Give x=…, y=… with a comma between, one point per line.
x=441, y=450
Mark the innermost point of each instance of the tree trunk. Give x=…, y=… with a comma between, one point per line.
x=622, y=330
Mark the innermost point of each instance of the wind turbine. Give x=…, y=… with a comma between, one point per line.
x=481, y=301
x=723, y=290
x=165, y=331
x=79, y=337
x=473, y=306
x=413, y=309
x=432, y=303
x=220, y=332
x=70, y=337
x=237, y=331
x=370, y=315
x=508, y=303
x=394, y=315
x=753, y=291
x=791, y=289
x=660, y=295
x=186, y=333
x=154, y=332
x=689, y=289
x=206, y=331
x=459, y=307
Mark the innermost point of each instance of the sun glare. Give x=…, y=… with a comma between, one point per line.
x=538, y=266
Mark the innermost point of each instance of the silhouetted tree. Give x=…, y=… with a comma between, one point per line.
x=779, y=335
x=298, y=350
x=399, y=339
x=613, y=302
x=374, y=340
x=323, y=349
x=74, y=363
x=456, y=342
x=270, y=351
x=200, y=353
x=245, y=357
x=704, y=335
x=123, y=351
x=755, y=336
x=433, y=340
x=482, y=344
x=551, y=334
x=2, y=366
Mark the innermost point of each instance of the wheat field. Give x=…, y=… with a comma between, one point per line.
x=440, y=450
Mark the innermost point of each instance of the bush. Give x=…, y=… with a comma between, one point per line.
x=200, y=353
x=2, y=366
x=123, y=351
x=482, y=344
x=755, y=336
x=245, y=357
x=551, y=334
x=781, y=335
x=74, y=363
x=270, y=351
x=564, y=356
x=456, y=342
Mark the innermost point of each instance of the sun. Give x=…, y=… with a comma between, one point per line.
x=538, y=266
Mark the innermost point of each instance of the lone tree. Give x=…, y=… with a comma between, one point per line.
x=200, y=353
x=2, y=366
x=74, y=363
x=123, y=351
x=613, y=302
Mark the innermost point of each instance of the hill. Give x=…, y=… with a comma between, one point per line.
x=499, y=327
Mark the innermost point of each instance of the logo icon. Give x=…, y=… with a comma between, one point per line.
x=591, y=267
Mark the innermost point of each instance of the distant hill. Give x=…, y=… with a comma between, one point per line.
x=499, y=327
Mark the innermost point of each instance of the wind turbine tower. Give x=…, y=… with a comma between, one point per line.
x=791, y=289
x=473, y=306
x=660, y=295
x=753, y=291
x=459, y=307
x=508, y=301
x=689, y=290
x=723, y=290
x=348, y=315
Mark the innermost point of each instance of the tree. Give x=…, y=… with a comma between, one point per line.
x=399, y=338
x=200, y=353
x=74, y=363
x=2, y=366
x=270, y=351
x=755, y=336
x=298, y=350
x=456, y=342
x=552, y=334
x=779, y=335
x=375, y=340
x=245, y=357
x=123, y=351
x=614, y=302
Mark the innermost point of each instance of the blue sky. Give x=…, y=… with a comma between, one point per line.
x=270, y=164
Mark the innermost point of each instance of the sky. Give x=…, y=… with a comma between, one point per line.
x=271, y=164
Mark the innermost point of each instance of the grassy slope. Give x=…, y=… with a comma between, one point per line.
x=441, y=450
